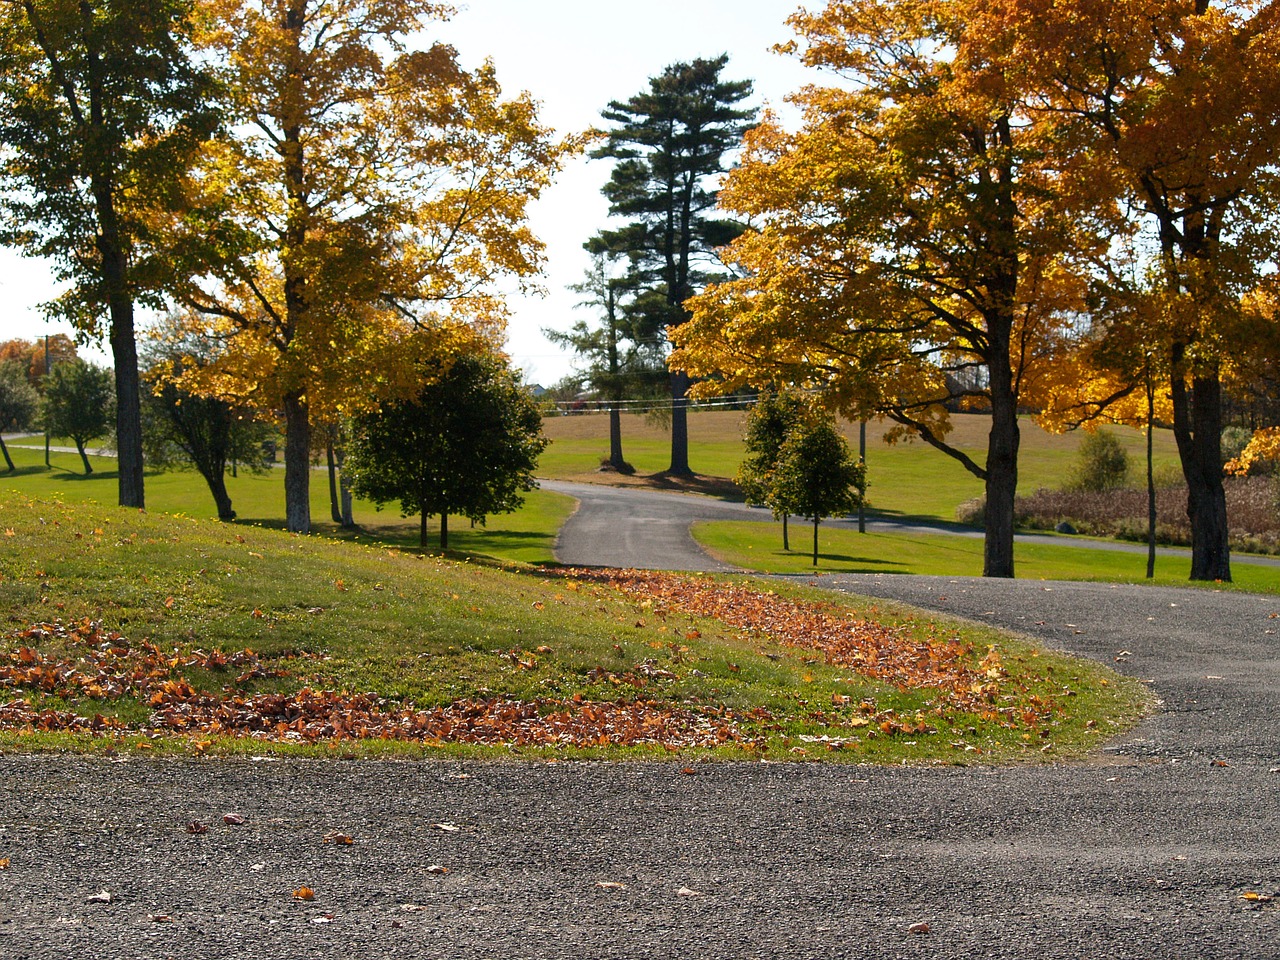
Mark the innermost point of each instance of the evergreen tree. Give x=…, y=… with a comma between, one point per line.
x=466, y=445
x=670, y=142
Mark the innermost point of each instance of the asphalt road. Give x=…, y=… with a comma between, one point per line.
x=1147, y=851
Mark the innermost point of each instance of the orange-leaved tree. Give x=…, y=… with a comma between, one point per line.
x=908, y=243
x=1178, y=105
x=361, y=211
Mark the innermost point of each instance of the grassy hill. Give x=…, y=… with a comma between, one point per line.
x=130, y=631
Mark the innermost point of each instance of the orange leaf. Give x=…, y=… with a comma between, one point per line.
x=304, y=893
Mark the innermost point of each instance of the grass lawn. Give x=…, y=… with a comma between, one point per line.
x=758, y=546
x=526, y=536
x=905, y=479
x=130, y=631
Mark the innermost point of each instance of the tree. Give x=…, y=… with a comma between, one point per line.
x=671, y=142
x=817, y=475
x=207, y=432
x=101, y=111
x=1177, y=106
x=79, y=402
x=774, y=418
x=909, y=245
x=358, y=212
x=31, y=355
x=1102, y=465
x=620, y=362
x=467, y=445
x=18, y=402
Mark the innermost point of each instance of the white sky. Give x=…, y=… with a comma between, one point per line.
x=574, y=56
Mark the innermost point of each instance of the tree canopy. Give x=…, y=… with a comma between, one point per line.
x=357, y=213
x=467, y=444
x=79, y=402
x=101, y=112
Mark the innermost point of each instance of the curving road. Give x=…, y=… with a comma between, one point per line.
x=1147, y=852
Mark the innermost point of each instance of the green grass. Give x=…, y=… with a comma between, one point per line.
x=904, y=479
x=527, y=536
x=424, y=632
x=758, y=547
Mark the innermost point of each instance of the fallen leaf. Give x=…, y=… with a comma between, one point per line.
x=447, y=827
x=686, y=892
x=159, y=918
x=4, y=863
x=100, y=897
x=304, y=893
x=437, y=869
x=341, y=839
x=326, y=918
x=232, y=819
x=610, y=885
x=920, y=929
x=195, y=827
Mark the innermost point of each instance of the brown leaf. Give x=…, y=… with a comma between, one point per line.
x=920, y=929
x=304, y=893
x=195, y=827
x=340, y=839
x=232, y=819
x=437, y=869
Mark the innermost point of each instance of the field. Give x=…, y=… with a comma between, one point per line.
x=904, y=480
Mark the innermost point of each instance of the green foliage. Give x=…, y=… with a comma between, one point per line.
x=670, y=142
x=817, y=475
x=79, y=402
x=18, y=402
x=1102, y=463
x=1234, y=439
x=770, y=422
x=467, y=445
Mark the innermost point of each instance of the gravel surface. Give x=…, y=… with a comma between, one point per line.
x=1147, y=851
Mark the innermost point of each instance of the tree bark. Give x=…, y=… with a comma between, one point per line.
x=815, y=542
x=786, y=536
x=335, y=508
x=222, y=500
x=1001, y=469
x=444, y=531
x=297, y=464
x=88, y=469
x=680, y=425
x=615, y=439
x=1197, y=428
x=422, y=527
x=7, y=459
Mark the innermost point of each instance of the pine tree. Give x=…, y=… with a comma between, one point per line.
x=670, y=142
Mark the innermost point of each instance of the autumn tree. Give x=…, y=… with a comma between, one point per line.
x=671, y=143
x=79, y=402
x=31, y=355
x=816, y=475
x=209, y=433
x=359, y=211
x=772, y=420
x=1178, y=106
x=619, y=360
x=467, y=445
x=101, y=111
x=18, y=402
x=907, y=245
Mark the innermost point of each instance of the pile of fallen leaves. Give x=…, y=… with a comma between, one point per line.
x=908, y=658
x=99, y=666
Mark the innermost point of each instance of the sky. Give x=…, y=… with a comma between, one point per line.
x=573, y=56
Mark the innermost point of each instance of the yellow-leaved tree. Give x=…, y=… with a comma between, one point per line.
x=360, y=212
x=908, y=250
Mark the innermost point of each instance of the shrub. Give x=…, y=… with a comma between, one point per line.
x=1102, y=464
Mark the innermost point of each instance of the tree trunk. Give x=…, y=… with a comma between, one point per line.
x=222, y=500
x=786, y=536
x=297, y=464
x=615, y=439
x=1197, y=428
x=444, y=531
x=344, y=488
x=7, y=459
x=1151, y=480
x=335, y=509
x=1002, y=471
x=85, y=460
x=422, y=528
x=680, y=425
x=815, y=542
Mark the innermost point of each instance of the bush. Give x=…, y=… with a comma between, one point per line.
x=1102, y=464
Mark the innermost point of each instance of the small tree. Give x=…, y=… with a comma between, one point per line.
x=79, y=402
x=467, y=445
x=769, y=423
x=18, y=402
x=817, y=475
x=179, y=427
